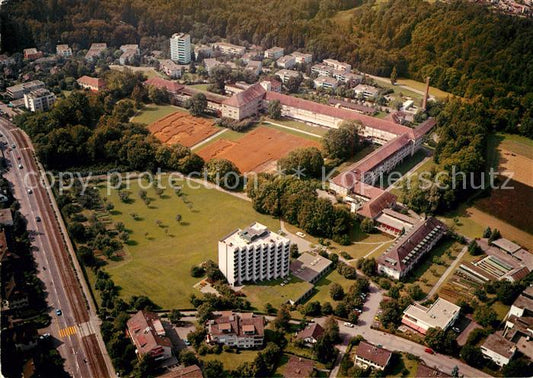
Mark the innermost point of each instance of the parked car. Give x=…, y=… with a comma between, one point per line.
x=300, y=234
x=37, y=218
x=457, y=330
x=30, y=191
x=20, y=166
x=59, y=312
x=187, y=342
x=429, y=350
x=346, y=324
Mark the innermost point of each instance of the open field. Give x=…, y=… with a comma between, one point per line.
x=159, y=255
x=420, y=86
x=296, y=132
x=428, y=271
x=404, y=167
x=232, y=360
x=323, y=286
x=275, y=294
x=362, y=243
x=257, y=151
x=183, y=128
x=151, y=113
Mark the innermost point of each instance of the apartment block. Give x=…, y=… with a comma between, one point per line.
x=252, y=255
x=241, y=330
x=95, y=50
x=39, y=100
x=340, y=66
x=170, y=68
x=274, y=53
x=180, y=48
x=229, y=49
x=19, y=90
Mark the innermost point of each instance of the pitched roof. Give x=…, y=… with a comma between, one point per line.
x=6, y=218
x=145, y=329
x=237, y=323
x=424, y=128
x=358, y=170
x=506, y=245
x=345, y=114
x=395, y=256
x=424, y=371
x=171, y=86
x=298, y=367
x=253, y=93
x=353, y=106
x=91, y=81
x=375, y=206
x=313, y=330
x=370, y=352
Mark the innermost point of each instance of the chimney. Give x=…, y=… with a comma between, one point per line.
x=426, y=95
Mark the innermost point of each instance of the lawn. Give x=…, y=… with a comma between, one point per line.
x=232, y=360
x=292, y=131
x=438, y=93
x=202, y=87
x=151, y=113
x=427, y=272
x=404, y=167
x=300, y=126
x=401, y=361
x=323, y=287
x=158, y=257
x=275, y=294
x=358, y=156
x=227, y=135
x=413, y=177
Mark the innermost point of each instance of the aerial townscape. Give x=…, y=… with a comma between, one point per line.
x=233, y=188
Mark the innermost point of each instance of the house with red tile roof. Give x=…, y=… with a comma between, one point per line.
x=424, y=371
x=298, y=367
x=311, y=333
x=244, y=104
x=241, y=330
x=369, y=355
x=397, y=261
x=93, y=83
x=171, y=86
x=148, y=335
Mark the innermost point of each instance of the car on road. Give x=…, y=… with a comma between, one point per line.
x=59, y=312
x=20, y=166
x=18, y=157
x=346, y=324
x=30, y=191
x=429, y=350
x=456, y=330
x=300, y=234
x=37, y=218
x=13, y=145
x=45, y=336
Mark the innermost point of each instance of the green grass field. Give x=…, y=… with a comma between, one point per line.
x=202, y=87
x=275, y=294
x=232, y=360
x=440, y=94
x=159, y=257
x=291, y=131
x=323, y=286
x=151, y=113
x=404, y=167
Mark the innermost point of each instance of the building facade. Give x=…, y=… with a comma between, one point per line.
x=170, y=68
x=244, y=104
x=63, y=50
x=148, y=335
x=274, y=53
x=39, y=100
x=19, y=90
x=241, y=330
x=93, y=83
x=180, y=48
x=252, y=255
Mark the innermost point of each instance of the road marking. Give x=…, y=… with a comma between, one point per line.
x=65, y=332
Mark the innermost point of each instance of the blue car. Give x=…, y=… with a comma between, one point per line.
x=58, y=312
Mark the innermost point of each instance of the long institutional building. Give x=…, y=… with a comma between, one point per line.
x=253, y=254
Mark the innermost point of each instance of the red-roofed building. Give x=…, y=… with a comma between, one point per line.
x=242, y=330
x=148, y=336
x=244, y=104
x=375, y=206
x=93, y=83
x=298, y=367
x=311, y=333
x=171, y=86
x=369, y=355
x=405, y=253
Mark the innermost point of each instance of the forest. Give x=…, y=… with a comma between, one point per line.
x=463, y=47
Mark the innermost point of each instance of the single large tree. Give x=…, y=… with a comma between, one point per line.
x=198, y=104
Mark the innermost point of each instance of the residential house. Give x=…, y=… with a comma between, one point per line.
x=252, y=255
x=285, y=75
x=369, y=355
x=241, y=330
x=39, y=100
x=397, y=261
x=192, y=371
x=287, y=61
x=523, y=305
x=95, y=51
x=325, y=82
x=310, y=268
x=170, y=68
x=63, y=50
x=424, y=371
x=441, y=314
x=311, y=333
x=148, y=335
x=19, y=90
x=322, y=69
x=129, y=53
x=302, y=58
x=202, y=51
x=255, y=66
x=32, y=54
x=93, y=83
x=274, y=53
x=336, y=65
x=366, y=91
x=229, y=49
x=498, y=349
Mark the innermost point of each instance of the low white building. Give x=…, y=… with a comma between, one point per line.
x=229, y=49
x=322, y=69
x=274, y=53
x=441, y=314
x=366, y=91
x=129, y=53
x=39, y=100
x=285, y=75
x=253, y=254
x=498, y=349
x=287, y=61
x=170, y=68
x=63, y=50
x=302, y=58
x=325, y=82
x=340, y=66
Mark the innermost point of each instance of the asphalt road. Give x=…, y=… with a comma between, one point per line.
x=76, y=330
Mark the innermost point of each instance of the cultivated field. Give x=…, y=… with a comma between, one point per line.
x=161, y=250
x=183, y=128
x=256, y=151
